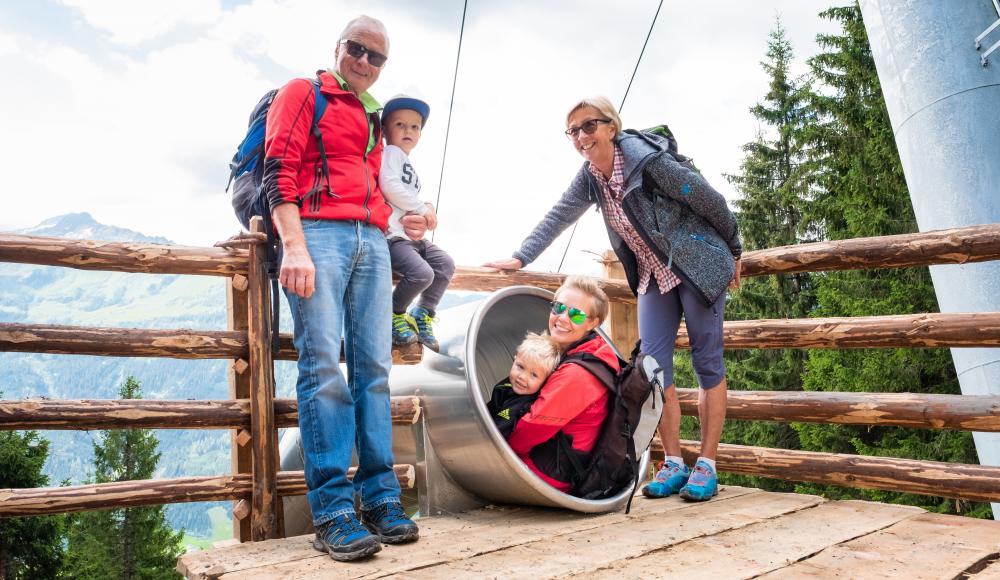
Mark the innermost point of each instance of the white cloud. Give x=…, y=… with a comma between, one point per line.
x=142, y=139
x=130, y=22
x=7, y=44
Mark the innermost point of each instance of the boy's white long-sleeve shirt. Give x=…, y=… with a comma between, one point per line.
x=400, y=187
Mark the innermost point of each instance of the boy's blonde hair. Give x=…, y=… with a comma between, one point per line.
x=604, y=106
x=590, y=287
x=540, y=349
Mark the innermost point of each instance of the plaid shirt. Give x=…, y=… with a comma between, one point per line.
x=649, y=264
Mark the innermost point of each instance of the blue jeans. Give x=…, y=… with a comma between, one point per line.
x=337, y=416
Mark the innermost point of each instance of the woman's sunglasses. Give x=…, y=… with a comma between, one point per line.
x=576, y=316
x=587, y=127
x=357, y=50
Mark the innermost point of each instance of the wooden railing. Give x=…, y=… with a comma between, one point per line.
x=254, y=415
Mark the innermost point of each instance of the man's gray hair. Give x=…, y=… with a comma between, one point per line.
x=369, y=23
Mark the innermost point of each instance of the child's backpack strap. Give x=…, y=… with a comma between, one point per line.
x=596, y=366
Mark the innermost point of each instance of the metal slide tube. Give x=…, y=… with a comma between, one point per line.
x=460, y=449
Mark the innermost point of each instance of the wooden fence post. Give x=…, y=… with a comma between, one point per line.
x=239, y=388
x=264, y=440
x=623, y=318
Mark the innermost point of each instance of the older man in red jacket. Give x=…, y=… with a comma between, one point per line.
x=336, y=274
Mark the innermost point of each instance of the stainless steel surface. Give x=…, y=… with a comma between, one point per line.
x=945, y=113
x=477, y=345
x=462, y=461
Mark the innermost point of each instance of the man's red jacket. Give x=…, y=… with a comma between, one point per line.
x=292, y=165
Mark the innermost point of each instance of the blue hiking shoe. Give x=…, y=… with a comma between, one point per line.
x=668, y=480
x=703, y=485
x=389, y=522
x=425, y=330
x=402, y=331
x=345, y=539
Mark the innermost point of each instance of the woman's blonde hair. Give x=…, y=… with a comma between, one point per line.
x=540, y=349
x=604, y=106
x=589, y=287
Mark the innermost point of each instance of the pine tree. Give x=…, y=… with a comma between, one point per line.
x=861, y=192
x=774, y=187
x=127, y=543
x=29, y=547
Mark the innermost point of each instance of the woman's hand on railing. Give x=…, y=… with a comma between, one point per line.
x=509, y=264
x=735, y=282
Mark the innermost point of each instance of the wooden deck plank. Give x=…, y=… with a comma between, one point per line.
x=765, y=546
x=925, y=546
x=212, y=563
x=586, y=551
x=443, y=539
x=990, y=572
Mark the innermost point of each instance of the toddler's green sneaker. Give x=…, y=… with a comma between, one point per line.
x=402, y=331
x=703, y=484
x=425, y=329
x=668, y=480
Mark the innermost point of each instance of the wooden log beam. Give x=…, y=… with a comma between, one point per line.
x=934, y=478
x=489, y=279
x=84, y=414
x=935, y=330
x=961, y=412
x=409, y=354
x=623, y=318
x=139, y=342
x=124, y=342
x=240, y=460
x=122, y=256
x=953, y=246
x=910, y=330
x=264, y=513
x=99, y=496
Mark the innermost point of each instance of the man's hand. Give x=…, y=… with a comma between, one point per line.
x=298, y=273
x=510, y=264
x=735, y=282
x=414, y=226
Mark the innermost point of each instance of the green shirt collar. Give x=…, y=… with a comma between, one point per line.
x=367, y=101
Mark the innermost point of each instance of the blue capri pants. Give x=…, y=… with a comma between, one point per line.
x=659, y=319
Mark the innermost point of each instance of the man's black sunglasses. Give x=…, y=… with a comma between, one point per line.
x=357, y=50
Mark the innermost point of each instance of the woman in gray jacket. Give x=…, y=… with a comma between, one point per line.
x=680, y=248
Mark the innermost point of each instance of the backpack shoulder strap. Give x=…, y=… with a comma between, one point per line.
x=320, y=105
x=596, y=366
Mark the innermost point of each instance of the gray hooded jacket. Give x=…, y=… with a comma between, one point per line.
x=683, y=220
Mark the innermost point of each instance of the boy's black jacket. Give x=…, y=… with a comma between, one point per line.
x=507, y=407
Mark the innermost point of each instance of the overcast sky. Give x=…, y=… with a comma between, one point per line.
x=131, y=110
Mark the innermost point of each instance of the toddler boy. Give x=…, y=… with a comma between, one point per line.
x=536, y=357
x=425, y=269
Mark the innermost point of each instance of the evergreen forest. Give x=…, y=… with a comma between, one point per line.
x=824, y=166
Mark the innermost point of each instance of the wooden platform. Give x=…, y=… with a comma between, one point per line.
x=743, y=533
